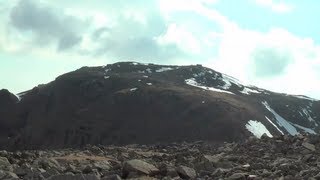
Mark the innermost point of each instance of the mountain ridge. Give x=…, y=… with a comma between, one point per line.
x=130, y=102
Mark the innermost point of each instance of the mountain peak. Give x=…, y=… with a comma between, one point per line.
x=130, y=102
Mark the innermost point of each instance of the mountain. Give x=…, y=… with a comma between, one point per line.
x=128, y=102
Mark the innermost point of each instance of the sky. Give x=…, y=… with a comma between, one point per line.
x=272, y=44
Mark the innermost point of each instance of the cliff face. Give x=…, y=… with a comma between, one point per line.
x=126, y=103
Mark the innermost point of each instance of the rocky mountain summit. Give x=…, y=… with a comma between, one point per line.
x=133, y=103
x=281, y=157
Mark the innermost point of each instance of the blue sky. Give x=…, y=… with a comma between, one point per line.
x=272, y=44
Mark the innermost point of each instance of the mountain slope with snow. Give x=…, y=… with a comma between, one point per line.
x=129, y=102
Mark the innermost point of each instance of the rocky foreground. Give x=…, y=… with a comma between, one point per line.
x=283, y=157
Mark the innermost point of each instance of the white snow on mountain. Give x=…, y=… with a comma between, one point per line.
x=249, y=91
x=274, y=125
x=306, y=112
x=133, y=89
x=257, y=128
x=281, y=121
x=193, y=82
x=303, y=97
x=164, y=69
x=228, y=80
x=148, y=70
x=307, y=130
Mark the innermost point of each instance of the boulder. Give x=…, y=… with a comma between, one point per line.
x=5, y=164
x=186, y=172
x=139, y=167
x=74, y=177
x=309, y=146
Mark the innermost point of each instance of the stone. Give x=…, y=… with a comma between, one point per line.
x=88, y=169
x=74, y=177
x=3, y=153
x=140, y=167
x=186, y=172
x=5, y=164
x=6, y=175
x=47, y=163
x=102, y=165
x=112, y=177
x=309, y=146
x=238, y=176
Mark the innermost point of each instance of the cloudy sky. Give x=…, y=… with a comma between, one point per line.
x=272, y=44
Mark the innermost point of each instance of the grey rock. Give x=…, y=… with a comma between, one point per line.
x=140, y=167
x=5, y=164
x=112, y=177
x=186, y=172
x=8, y=175
x=74, y=177
x=102, y=165
x=309, y=146
x=238, y=176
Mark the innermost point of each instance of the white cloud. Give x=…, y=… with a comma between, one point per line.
x=275, y=5
x=154, y=31
x=293, y=60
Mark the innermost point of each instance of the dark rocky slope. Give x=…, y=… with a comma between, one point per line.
x=126, y=103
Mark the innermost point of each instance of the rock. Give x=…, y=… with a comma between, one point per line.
x=5, y=164
x=21, y=171
x=47, y=163
x=238, y=176
x=88, y=169
x=3, y=153
x=8, y=175
x=220, y=172
x=168, y=170
x=74, y=177
x=264, y=136
x=102, y=165
x=112, y=177
x=139, y=167
x=50, y=172
x=186, y=172
x=309, y=146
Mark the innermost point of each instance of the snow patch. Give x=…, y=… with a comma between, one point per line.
x=281, y=121
x=257, y=128
x=163, y=69
x=193, y=82
x=304, y=97
x=107, y=70
x=19, y=98
x=133, y=89
x=307, y=130
x=148, y=70
x=145, y=76
x=20, y=95
x=149, y=84
x=106, y=77
x=305, y=111
x=134, y=63
x=248, y=91
x=228, y=80
x=274, y=125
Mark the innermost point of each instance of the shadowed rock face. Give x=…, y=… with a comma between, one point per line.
x=126, y=103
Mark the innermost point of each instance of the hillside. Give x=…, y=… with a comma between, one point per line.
x=127, y=102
